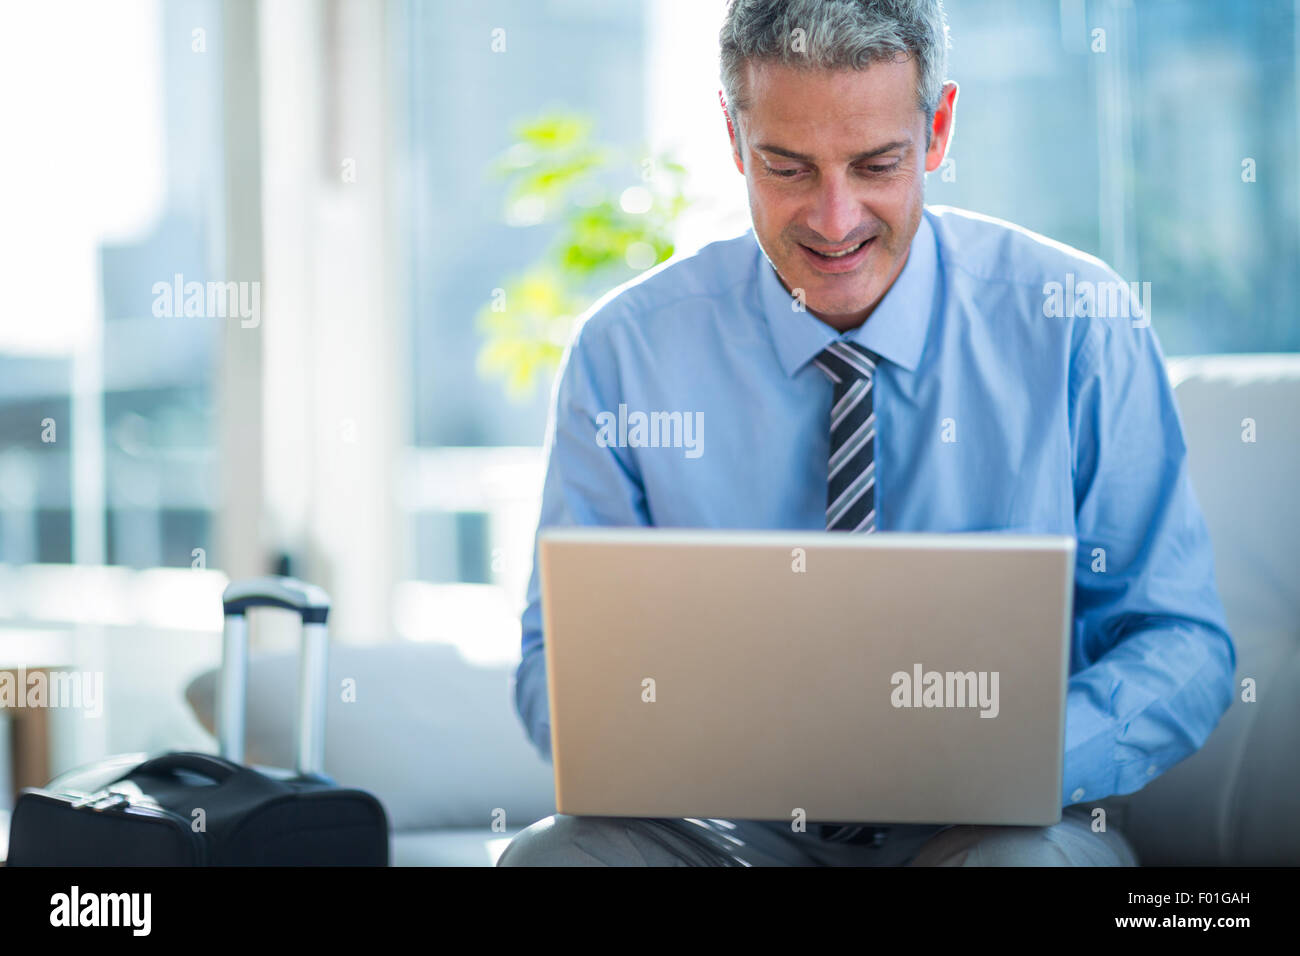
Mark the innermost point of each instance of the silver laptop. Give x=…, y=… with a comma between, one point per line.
x=888, y=678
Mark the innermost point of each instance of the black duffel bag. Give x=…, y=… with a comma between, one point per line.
x=192, y=809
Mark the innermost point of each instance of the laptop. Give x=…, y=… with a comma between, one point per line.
x=756, y=675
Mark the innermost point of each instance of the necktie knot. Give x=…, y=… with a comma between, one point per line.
x=846, y=362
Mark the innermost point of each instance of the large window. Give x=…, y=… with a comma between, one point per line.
x=109, y=498
x=475, y=73
x=1159, y=135
x=106, y=438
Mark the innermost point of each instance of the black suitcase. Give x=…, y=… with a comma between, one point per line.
x=192, y=809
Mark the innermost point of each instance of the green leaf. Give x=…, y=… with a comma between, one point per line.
x=554, y=160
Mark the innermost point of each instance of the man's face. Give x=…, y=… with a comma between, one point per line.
x=835, y=161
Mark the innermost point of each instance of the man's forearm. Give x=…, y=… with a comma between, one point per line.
x=532, y=700
x=1150, y=702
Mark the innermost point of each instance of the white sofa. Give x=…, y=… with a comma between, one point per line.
x=438, y=740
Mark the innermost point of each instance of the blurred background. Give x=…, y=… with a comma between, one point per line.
x=392, y=213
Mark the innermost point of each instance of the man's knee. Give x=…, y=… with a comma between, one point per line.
x=546, y=843
x=1072, y=842
x=562, y=840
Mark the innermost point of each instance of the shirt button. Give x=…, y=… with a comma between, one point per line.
x=1077, y=795
x=1151, y=770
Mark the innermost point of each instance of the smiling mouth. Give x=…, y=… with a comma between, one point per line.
x=843, y=260
x=849, y=250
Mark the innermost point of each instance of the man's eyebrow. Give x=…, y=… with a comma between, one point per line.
x=869, y=154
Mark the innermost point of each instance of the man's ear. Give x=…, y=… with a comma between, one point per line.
x=941, y=127
x=731, y=133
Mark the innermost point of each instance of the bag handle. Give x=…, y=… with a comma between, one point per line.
x=312, y=605
x=206, y=765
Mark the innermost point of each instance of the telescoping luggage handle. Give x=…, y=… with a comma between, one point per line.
x=312, y=604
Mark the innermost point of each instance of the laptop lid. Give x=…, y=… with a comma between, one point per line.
x=889, y=678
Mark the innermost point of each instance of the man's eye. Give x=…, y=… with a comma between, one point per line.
x=783, y=173
x=881, y=169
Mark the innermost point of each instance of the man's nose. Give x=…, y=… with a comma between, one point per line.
x=835, y=213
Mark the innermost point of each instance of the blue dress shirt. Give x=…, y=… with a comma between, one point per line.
x=1008, y=399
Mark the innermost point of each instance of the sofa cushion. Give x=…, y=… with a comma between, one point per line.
x=475, y=847
x=1247, y=489
x=435, y=738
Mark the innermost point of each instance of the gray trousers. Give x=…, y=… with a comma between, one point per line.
x=621, y=841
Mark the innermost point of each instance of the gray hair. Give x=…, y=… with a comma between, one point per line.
x=835, y=34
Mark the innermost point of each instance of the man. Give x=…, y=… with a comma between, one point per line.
x=864, y=363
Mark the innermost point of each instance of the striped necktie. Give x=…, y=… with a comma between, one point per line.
x=851, y=474
x=851, y=479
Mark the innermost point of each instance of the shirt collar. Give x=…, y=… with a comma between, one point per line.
x=895, y=330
